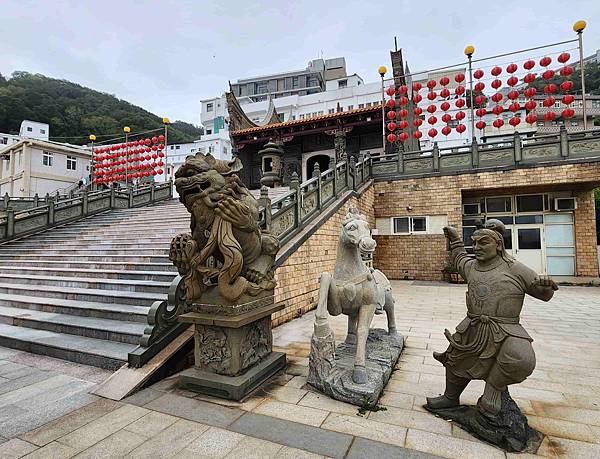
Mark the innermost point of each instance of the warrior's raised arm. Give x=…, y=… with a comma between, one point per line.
x=458, y=254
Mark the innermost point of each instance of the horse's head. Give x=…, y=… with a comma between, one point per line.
x=355, y=232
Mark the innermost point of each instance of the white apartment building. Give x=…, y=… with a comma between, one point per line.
x=29, y=130
x=32, y=166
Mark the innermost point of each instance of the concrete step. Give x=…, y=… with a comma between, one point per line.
x=113, y=311
x=85, y=245
x=83, y=294
x=84, y=258
x=115, y=265
x=91, y=327
x=126, y=285
x=159, y=276
x=80, y=251
x=89, y=351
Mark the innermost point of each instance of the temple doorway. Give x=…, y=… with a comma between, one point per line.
x=309, y=161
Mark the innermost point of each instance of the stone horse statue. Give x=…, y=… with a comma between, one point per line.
x=355, y=290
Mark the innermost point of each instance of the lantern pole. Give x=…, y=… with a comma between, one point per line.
x=126, y=130
x=469, y=50
x=382, y=71
x=92, y=168
x=166, y=123
x=578, y=27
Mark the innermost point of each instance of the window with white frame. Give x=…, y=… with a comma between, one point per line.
x=209, y=107
x=48, y=158
x=71, y=163
x=409, y=225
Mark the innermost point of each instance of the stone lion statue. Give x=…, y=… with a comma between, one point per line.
x=227, y=258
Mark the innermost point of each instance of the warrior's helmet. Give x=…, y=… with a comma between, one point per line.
x=495, y=229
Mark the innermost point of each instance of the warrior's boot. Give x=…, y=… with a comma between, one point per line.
x=455, y=385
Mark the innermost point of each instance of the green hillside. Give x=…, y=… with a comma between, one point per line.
x=73, y=111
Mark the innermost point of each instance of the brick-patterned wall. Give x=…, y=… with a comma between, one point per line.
x=423, y=256
x=298, y=277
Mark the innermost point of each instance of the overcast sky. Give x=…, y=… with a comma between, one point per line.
x=167, y=55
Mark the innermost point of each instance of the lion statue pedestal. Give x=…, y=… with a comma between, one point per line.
x=227, y=269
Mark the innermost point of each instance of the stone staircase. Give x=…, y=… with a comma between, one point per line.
x=81, y=292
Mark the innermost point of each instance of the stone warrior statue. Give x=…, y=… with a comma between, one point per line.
x=489, y=344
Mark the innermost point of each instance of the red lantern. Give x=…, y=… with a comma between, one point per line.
x=402, y=89
x=148, y=157
x=549, y=101
x=402, y=113
x=446, y=117
x=480, y=99
x=432, y=132
x=566, y=71
x=514, y=121
x=417, y=86
x=514, y=107
x=512, y=95
x=497, y=110
x=549, y=116
x=566, y=86
x=568, y=99
x=460, y=116
x=161, y=138
x=403, y=124
x=417, y=111
x=403, y=136
x=431, y=84
x=444, y=93
x=530, y=92
x=432, y=120
x=529, y=78
x=390, y=103
x=548, y=74
x=496, y=71
x=479, y=86
x=431, y=95
x=530, y=105
x=154, y=148
x=461, y=128
x=545, y=61
x=417, y=134
x=459, y=91
x=512, y=81
x=154, y=156
x=478, y=73
x=391, y=126
x=460, y=103
x=147, y=149
x=550, y=88
x=444, y=81
x=403, y=100
x=498, y=123
x=528, y=65
x=417, y=122
x=531, y=118
x=568, y=113
x=391, y=115
x=390, y=91
x=161, y=154
x=563, y=57
x=160, y=172
x=446, y=130
x=445, y=106
x=512, y=68
x=431, y=109
x=391, y=138
x=480, y=125
x=147, y=141
x=459, y=77
x=496, y=84
x=161, y=146
x=497, y=97
x=417, y=98
x=480, y=112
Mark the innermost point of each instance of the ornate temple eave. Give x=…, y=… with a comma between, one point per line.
x=238, y=120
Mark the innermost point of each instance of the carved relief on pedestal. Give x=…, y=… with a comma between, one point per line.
x=256, y=343
x=212, y=349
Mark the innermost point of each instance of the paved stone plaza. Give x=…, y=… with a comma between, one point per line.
x=46, y=412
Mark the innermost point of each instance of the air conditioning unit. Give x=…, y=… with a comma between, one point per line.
x=471, y=209
x=564, y=204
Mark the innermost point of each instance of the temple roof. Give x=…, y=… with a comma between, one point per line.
x=239, y=120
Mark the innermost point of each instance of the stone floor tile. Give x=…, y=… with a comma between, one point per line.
x=293, y=453
x=32, y=390
x=216, y=442
x=282, y=393
x=170, y=441
x=290, y=412
x=100, y=428
x=326, y=403
x=362, y=448
x=70, y=422
x=144, y=396
x=31, y=378
x=280, y=378
x=450, y=447
x=52, y=450
x=413, y=419
x=247, y=405
x=397, y=400
x=293, y=434
x=562, y=429
x=297, y=370
x=15, y=448
x=151, y=424
x=297, y=381
x=118, y=444
x=574, y=449
x=365, y=428
x=254, y=448
x=571, y=414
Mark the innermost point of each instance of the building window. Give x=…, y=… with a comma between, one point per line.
x=574, y=123
x=4, y=140
x=176, y=147
x=350, y=107
x=580, y=104
x=556, y=104
x=48, y=158
x=295, y=82
x=71, y=163
x=343, y=84
x=530, y=203
x=540, y=123
x=302, y=116
x=281, y=117
x=410, y=225
x=331, y=110
x=293, y=117
x=595, y=103
x=29, y=129
x=211, y=149
x=453, y=123
x=368, y=104
x=209, y=107
x=320, y=112
x=361, y=105
x=260, y=87
x=208, y=131
x=42, y=131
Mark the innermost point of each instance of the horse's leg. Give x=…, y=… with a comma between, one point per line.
x=321, y=316
x=389, y=311
x=352, y=325
x=365, y=316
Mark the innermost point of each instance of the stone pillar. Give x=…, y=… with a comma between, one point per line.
x=517, y=147
x=564, y=142
x=84, y=200
x=339, y=144
x=36, y=200
x=436, y=157
x=295, y=185
x=152, y=192
x=317, y=174
x=265, y=202
x=10, y=222
x=474, y=153
x=585, y=234
x=51, y=213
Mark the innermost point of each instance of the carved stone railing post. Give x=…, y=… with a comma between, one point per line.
x=295, y=185
x=47, y=198
x=130, y=191
x=436, y=157
x=84, y=201
x=517, y=147
x=6, y=200
x=348, y=172
x=152, y=192
x=36, y=200
x=352, y=167
x=317, y=175
x=265, y=202
x=112, y=198
x=564, y=142
x=332, y=164
x=51, y=213
x=474, y=153
x=400, y=162
x=10, y=222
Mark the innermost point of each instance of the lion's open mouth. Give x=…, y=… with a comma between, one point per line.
x=191, y=193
